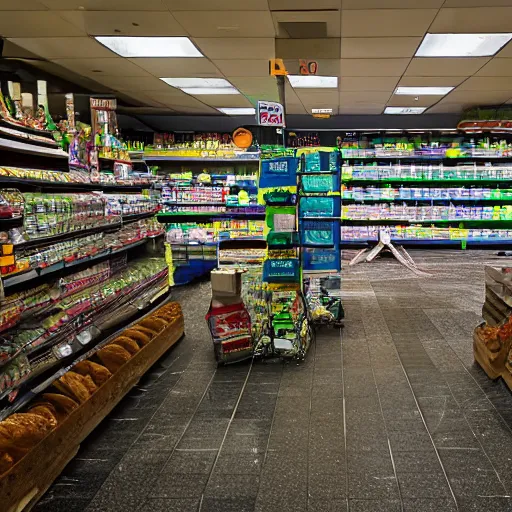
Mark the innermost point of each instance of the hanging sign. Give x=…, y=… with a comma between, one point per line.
x=308, y=67
x=270, y=114
x=277, y=68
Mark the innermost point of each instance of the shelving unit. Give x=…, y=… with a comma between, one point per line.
x=76, y=321
x=472, y=202
x=200, y=213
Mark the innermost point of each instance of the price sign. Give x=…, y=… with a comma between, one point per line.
x=308, y=67
x=270, y=113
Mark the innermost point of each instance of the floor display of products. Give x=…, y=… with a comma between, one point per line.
x=493, y=339
x=393, y=415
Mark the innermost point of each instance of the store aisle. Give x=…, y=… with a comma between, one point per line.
x=393, y=416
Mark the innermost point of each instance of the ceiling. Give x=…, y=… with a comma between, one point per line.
x=368, y=44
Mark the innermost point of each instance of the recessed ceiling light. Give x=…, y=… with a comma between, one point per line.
x=313, y=81
x=195, y=91
x=150, y=46
x=321, y=110
x=249, y=111
x=423, y=91
x=462, y=45
x=180, y=83
x=197, y=86
x=404, y=110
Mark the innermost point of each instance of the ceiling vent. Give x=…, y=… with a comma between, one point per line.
x=303, y=30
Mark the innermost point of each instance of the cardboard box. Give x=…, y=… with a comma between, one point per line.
x=226, y=283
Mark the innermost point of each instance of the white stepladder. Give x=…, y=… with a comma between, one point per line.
x=368, y=255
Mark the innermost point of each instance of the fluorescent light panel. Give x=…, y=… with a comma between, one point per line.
x=462, y=45
x=423, y=91
x=198, y=91
x=200, y=86
x=404, y=110
x=150, y=46
x=313, y=81
x=249, y=111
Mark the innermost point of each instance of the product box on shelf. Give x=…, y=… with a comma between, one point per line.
x=226, y=283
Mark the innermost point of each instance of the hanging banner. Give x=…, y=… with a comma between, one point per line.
x=270, y=114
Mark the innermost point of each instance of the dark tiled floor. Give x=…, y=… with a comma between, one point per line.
x=391, y=416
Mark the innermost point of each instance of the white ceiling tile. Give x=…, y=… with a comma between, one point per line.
x=506, y=51
x=391, y=4
x=201, y=110
x=431, y=81
x=64, y=47
x=175, y=98
x=115, y=66
x=225, y=100
x=237, y=48
x=331, y=19
x=26, y=5
x=315, y=49
x=374, y=83
x=363, y=98
x=243, y=67
x=475, y=98
x=177, y=67
x=375, y=47
x=373, y=67
x=254, y=85
x=481, y=20
x=105, y=5
x=227, y=23
x=386, y=22
x=217, y=5
x=478, y=3
x=410, y=101
x=303, y=5
x=145, y=99
x=445, y=107
x=134, y=83
x=354, y=110
x=315, y=97
x=497, y=67
x=254, y=97
x=36, y=24
x=446, y=66
x=104, y=23
x=486, y=83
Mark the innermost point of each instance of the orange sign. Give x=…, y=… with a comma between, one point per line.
x=277, y=67
x=308, y=67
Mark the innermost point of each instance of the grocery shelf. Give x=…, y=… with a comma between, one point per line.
x=29, y=275
x=152, y=304
x=22, y=183
x=426, y=158
x=33, y=149
x=48, y=240
x=405, y=222
x=424, y=182
x=132, y=217
x=489, y=200
x=252, y=157
x=10, y=222
x=432, y=241
x=183, y=216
